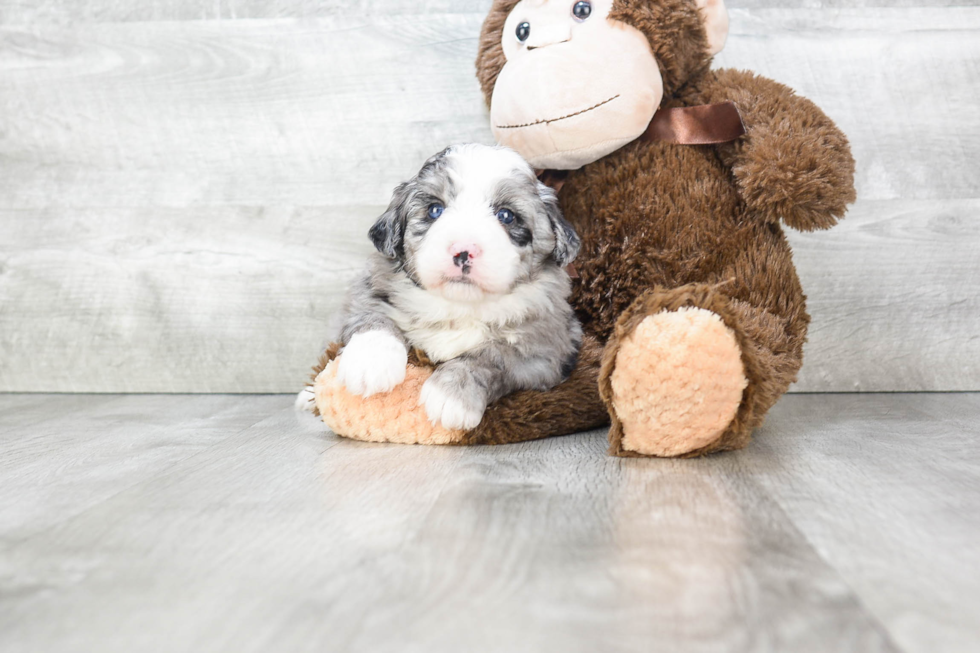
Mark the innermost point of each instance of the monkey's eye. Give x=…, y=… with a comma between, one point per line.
x=523, y=31
x=582, y=9
x=505, y=215
x=435, y=210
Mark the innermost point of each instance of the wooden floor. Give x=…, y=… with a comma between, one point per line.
x=221, y=523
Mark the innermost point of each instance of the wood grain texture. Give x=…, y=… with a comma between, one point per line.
x=184, y=201
x=884, y=487
x=65, y=12
x=205, y=301
x=894, y=291
x=47, y=459
x=901, y=83
x=278, y=536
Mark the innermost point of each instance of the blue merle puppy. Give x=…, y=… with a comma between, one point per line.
x=470, y=270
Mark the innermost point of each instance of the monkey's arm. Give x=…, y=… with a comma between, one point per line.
x=793, y=164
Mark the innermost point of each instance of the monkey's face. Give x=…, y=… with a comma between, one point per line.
x=570, y=81
x=576, y=86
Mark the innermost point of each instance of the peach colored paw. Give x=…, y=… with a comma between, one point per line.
x=677, y=383
x=387, y=417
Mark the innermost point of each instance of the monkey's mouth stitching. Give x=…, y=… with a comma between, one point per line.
x=551, y=120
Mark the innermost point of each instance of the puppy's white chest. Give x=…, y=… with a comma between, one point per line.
x=448, y=341
x=445, y=330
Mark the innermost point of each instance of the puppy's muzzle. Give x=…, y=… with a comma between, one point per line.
x=463, y=255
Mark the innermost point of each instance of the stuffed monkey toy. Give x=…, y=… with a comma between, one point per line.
x=678, y=179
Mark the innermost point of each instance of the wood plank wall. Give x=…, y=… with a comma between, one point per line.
x=185, y=186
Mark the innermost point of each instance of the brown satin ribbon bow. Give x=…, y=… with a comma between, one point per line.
x=707, y=124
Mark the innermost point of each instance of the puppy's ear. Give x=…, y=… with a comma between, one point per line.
x=566, y=240
x=388, y=233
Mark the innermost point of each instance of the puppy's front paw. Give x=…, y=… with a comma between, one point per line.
x=372, y=362
x=454, y=404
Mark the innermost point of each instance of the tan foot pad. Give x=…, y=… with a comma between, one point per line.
x=389, y=417
x=677, y=383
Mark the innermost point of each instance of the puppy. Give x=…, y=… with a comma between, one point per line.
x=470, y=270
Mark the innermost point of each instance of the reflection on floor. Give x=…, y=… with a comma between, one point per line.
x=222, y=523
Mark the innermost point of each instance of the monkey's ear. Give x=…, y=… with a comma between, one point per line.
x=566, y=240
x=388, y=233
x=715, y=23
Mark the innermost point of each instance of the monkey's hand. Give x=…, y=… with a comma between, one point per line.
x=793, y=164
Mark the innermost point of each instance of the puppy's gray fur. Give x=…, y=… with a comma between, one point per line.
x=524, y=338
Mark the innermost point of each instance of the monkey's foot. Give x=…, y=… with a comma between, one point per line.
x=676, y=384
x=394, y=416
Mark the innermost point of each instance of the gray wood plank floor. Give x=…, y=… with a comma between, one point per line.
x=223, y=523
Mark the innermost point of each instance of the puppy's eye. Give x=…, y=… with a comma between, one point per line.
x=505, y=215
x=523, y=31
x=582, y=9
x=435, y=210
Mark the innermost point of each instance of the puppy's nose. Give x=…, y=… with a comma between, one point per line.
x=464, y=253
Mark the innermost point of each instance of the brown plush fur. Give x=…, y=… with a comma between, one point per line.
x=571, y=407
x=754, y=402
x=667, y=226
